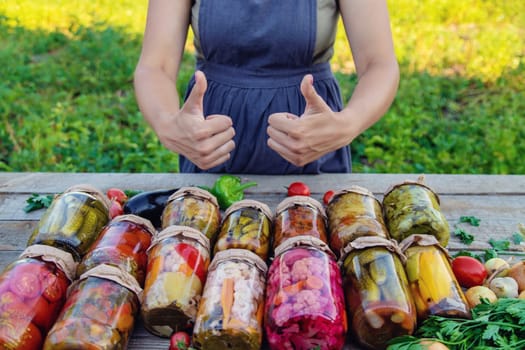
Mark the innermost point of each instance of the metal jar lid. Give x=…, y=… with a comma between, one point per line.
x=91, y=191
x=241, y=254
x=250, y=203
x=138, y=220
x=183, y=231
x=194, y=192
x=300, y=201
x=303, y=241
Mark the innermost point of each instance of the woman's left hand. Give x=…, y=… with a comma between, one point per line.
x=319, y=130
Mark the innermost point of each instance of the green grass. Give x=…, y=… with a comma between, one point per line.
x=67, y=102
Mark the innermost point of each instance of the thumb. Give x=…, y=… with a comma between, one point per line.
x=195, y=99
x=314, y=102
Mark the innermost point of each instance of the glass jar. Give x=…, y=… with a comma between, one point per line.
x=73, y=220
x=305, y=305
x=99, y=313
x=178, y=261
x=299, y=216
x=32, y=292
x=230, y=313
x=193, y=207
x=246, y=225
x=413, y=208
x=378, y=297
x=434, y=287
x=352, y=213
x=123, y=242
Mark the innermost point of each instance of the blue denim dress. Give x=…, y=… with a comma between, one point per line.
x=255, y=54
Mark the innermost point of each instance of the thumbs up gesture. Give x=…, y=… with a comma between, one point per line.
x=319, y=130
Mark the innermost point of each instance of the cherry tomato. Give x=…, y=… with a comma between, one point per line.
x=469, y=271
x=117, y=194
x=44, y=314
x=179, y=341
x=115, y=209
x=194, y=259
x=298, y=189
x=25, y=284
x=328, y=196
x=54, y=287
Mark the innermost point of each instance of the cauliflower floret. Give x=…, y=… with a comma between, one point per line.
x=307, y=302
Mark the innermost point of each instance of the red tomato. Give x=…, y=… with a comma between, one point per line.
x=328, y=196
x=20, y=334
x=194, y=259
x=25, y=284
x=298, y=189
x=179, y=341
x=469, y=271
x=117, y=194
x=54, y=287
x=44, y=314
x=115, y=209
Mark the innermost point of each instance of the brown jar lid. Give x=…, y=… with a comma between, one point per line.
x=195, y=192
x=357, y=190
x=303, y=241
x=365, y=242
x=300, y=201
x=62, y=259
x=419, y=182
x=115, y=274
x=250, y=203
x=92, y=191
x=241, y=254
x=421, y=240
x=183, y=231
x=138, y=220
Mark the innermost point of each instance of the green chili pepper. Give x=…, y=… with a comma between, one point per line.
x=228, y=190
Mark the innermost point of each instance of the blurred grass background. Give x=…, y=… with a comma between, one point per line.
x=67, y=102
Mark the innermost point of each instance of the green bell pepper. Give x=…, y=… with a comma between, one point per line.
x=228, y=189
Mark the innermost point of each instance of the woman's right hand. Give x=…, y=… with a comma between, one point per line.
x=205, y=141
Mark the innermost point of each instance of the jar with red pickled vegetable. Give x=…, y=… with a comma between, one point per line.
x=299, y=216
x=433, y=285
x=32, y=292
x=230, y=314
x=305, y=305
x=123, y=242
x=246, y=225
x=99, y=312
x=379, y=302
x=193, y=207
x=73, y=220
x=353, y=213
x=178, y=261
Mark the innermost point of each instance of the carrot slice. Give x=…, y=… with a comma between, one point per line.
x=226, y=300
x=314, y=282
x=186, y=269
x=154, y=268
x=294, y=288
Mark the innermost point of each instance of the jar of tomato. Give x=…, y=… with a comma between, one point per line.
x=412, y=207
x=379, y=302
x=305, y=305
x=193, y=207
x=246, y=225
x=353, y=213
x=178, y=261
x=123, y=242
x=230, y=314
x=73, y=220
x=433, y=285
x=299, y=216
x=99, y=313
x=32, y=292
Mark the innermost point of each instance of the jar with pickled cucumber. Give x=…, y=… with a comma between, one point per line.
x=246, y=225
x=32, y=292
x=193, y=207
x=230, y=314
x=305, y=303
x=412, y=207
x=99, y=313
x=352, y=213
x=178, y=261
x=434, y=287
x=378, y=298
x=123, y=242
x=299, y=216
x=73, y=221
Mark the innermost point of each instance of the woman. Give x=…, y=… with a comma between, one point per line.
x=263, y=99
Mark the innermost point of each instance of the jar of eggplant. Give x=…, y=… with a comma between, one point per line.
x=352, y=213
x=299, y=216
x=412, y=207
x=230, y=314
x=99, y=313
x=193, y=207
x=123, y=242
x=73, y=221
x=32, y=292
x=433, y=285
x=305, y=303
x=378, y=298
x=246, y=225
x=178, y=261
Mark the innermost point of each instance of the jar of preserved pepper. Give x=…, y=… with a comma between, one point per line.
x=412, y=207
x=178, y=261
x=32, y=292
x=230, y=314
x=433, y=285
x=73, y=221
x=352, y=213
x=99, y=313
x=193, y=207
x=246, y=225
x=379, y=302
x=299, y=216
x=123, y=242
x=305, y=303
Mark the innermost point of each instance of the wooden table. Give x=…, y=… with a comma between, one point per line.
x=498, y=200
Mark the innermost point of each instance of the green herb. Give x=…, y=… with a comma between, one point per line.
x=474, y=221
x=131, y=193
x=464, y=236
x=489, y=254
x=517, y=238
x=467, y=253
x=38, y=201
x=499, y=244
